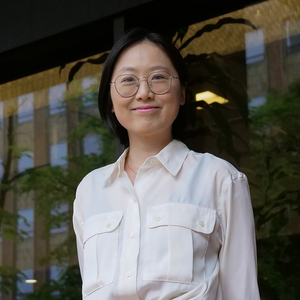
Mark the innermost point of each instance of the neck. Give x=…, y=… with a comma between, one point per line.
x=142, y=148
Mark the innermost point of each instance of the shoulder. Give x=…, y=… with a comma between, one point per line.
x=95, y=177
x=215, y=166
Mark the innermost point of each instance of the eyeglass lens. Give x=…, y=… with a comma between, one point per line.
x=159, y=83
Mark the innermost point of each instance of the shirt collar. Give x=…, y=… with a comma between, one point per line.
x=171, y=157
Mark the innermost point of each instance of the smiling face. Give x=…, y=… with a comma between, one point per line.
x=146, y=114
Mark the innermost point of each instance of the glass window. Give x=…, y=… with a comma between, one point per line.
x=255, y=46
x=54, y=272
x=25, y=161
x=257, y=101
x=58, y=154
x=23, y=286
x=92, y=144
x=87, y=90
x=25, y=108
x=1, y=114
x=26, y=222
x=1, y=168
x=240, y=64
x=292, y=35
x=61, y=213
x=29, y=98
x=56, y=97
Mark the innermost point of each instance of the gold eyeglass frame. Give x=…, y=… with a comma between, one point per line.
x=148, y=83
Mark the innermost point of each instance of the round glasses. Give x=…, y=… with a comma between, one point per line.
x=158, y=82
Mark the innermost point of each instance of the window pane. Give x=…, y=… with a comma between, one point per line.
x=63, y=209
x=255, y=47
x=1, y=114
x=25, y=108
x=58, y=154
x=1, y=168
x=88, y=90
x=56, y=97
x=55, y=130
x=25, y=161
x=92, y=144
x=257, y=101
x=23, y=286
x=26, y=225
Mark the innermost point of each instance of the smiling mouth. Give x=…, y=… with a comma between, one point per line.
x=145, y=108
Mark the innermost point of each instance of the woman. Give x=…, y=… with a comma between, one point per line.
x=163, y=222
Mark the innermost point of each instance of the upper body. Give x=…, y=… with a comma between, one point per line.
x=163, y=222
x=184, y=230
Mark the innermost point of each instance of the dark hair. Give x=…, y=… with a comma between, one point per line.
x=104, y=98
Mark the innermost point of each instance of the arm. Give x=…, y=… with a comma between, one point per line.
x=78, y=225
x=238, y=266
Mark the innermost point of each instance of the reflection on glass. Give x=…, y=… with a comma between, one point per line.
x=25, y=108
x=23, y=286
x=88, y=84
x=257, y=101
x=255, y=46
x=1, y=168
x=58, y=154
x=1, y=114
x=251, y=63
x=25, y=161
x=56, y=97
x=292, y=35
x=26, y=222
x=91, y=144
x=60, y=213
x=47, y=186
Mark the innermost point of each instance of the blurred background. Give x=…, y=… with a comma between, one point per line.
x=243, y=60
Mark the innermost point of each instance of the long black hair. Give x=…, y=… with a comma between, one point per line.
x=104, y=98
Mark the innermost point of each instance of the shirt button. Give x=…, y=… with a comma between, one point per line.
x=134, y=200
x=131, y=234
x=128, y=274
x=152, y=161
x=158, y=218
x=108, y=225
x=202, y=224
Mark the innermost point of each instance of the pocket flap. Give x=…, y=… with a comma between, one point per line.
x=197, y=218
x=101, y=223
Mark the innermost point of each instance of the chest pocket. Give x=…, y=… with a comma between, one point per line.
x=176, y=241
x=100, y=245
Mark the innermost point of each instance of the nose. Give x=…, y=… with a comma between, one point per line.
x=143, y=92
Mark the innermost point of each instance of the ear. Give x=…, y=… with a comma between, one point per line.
x=183, y=93
x=113, y=110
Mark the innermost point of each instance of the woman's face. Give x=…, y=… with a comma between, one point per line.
x=146, y=114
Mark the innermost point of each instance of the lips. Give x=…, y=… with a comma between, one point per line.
x=145, y=108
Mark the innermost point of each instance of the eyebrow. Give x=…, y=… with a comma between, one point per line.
x=157, y=67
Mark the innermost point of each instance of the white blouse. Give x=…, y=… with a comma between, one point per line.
x=184, y=230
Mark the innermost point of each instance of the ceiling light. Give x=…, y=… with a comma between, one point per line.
x=209, y=98
x=30, y=280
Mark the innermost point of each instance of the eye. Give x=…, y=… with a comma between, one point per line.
x=159, y=76
x=127, y=79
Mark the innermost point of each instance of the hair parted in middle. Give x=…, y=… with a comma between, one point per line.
x=131, y=37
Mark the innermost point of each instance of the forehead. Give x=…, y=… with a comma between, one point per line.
x=141, y=57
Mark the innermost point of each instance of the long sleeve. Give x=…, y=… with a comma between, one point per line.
x=78, y=225
x=238, y=265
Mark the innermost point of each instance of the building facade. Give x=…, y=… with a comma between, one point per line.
x=246, y=59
